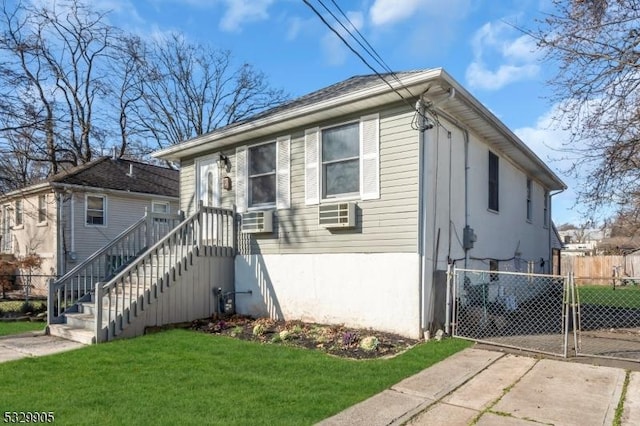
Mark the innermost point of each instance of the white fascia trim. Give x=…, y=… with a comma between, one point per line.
x=125, y=194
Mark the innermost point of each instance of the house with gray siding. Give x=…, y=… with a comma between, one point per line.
x=73, y=214
x=353, y=200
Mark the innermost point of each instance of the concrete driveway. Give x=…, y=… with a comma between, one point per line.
x=495, y=388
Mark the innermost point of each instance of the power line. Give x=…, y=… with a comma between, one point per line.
x=374, y=55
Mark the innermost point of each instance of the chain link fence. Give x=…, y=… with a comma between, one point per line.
x=525, y=311
x=608, y=317
x=24, y=286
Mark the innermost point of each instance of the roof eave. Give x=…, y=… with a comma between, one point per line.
x=352, y=101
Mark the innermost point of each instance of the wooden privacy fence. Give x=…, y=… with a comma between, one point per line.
x=603, y=268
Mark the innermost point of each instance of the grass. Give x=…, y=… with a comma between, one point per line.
x=183, y=377
x=621, y=297
x=16, y=327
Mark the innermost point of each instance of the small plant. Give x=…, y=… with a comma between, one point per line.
x=297, y=329
x=236, y=331
x=285, y=335
x=349, y=339
x=27, y=308
x=276, y=338
x=369, y=343
x=259, y=329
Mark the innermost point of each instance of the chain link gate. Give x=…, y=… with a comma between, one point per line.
x=523, y=311
x=545, y=313
x=607, y=318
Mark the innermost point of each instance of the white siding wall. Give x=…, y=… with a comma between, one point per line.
x=501, y=235
x=34, y=236
x=121, y=212
x=359, y=290
x=385, y=225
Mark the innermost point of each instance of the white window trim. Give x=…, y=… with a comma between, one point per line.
x=104, y=210
x=346, y=195
x=160, y=203
x=15, y=216
x=314, y=169
x=42, y=222
x=263, y=206
x=282, y=176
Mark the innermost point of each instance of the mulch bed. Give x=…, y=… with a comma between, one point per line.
x=332, y=339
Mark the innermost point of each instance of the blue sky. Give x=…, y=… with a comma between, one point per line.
x=475, y=41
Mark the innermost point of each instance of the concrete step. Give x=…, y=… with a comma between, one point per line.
x=78, y=320
x=65, y=331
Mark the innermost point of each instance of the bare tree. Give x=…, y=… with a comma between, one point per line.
x=191, y=89
x=72, y=85
x=596, y=45
x=54, y=77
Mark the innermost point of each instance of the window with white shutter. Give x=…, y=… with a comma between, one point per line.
x=343, y=161
x=263, y=175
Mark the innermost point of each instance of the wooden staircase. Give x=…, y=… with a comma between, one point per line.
x=163, y=283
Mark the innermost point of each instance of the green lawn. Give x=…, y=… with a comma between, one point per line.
x=17, y=327
x=184, y=377
x=621, y=297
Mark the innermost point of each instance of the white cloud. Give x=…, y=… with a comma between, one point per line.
x=388, y=12
x=240, y=12
x=515, y=57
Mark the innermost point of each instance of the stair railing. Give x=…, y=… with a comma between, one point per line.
x=208, y=232
x=106, y=262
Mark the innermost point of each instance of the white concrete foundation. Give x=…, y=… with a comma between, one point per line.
x=378, y=291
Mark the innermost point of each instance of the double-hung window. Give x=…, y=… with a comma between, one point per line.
x=42, y=208
x=19, y=213
x=493, y=182
x=262, y=180
x=262, y=175
x=96, y=210
x=341, y=161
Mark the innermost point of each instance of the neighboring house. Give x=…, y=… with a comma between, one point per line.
x=583, y=241
x=71, y=215
x=354, y=201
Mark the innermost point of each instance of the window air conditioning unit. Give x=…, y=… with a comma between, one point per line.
x=341, y=215
x=258, y=222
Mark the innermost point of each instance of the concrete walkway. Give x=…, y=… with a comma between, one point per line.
x=33, y=344
x=494, y=388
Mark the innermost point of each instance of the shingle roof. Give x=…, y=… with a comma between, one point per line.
x=109, y=173
x=347, y=86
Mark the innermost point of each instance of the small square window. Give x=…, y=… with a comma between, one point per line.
x=42, y=208
x=96, y=210
x=159, y=207
x=262, y=175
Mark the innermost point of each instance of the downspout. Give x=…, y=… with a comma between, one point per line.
x=465, y=134
x=421, y=213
